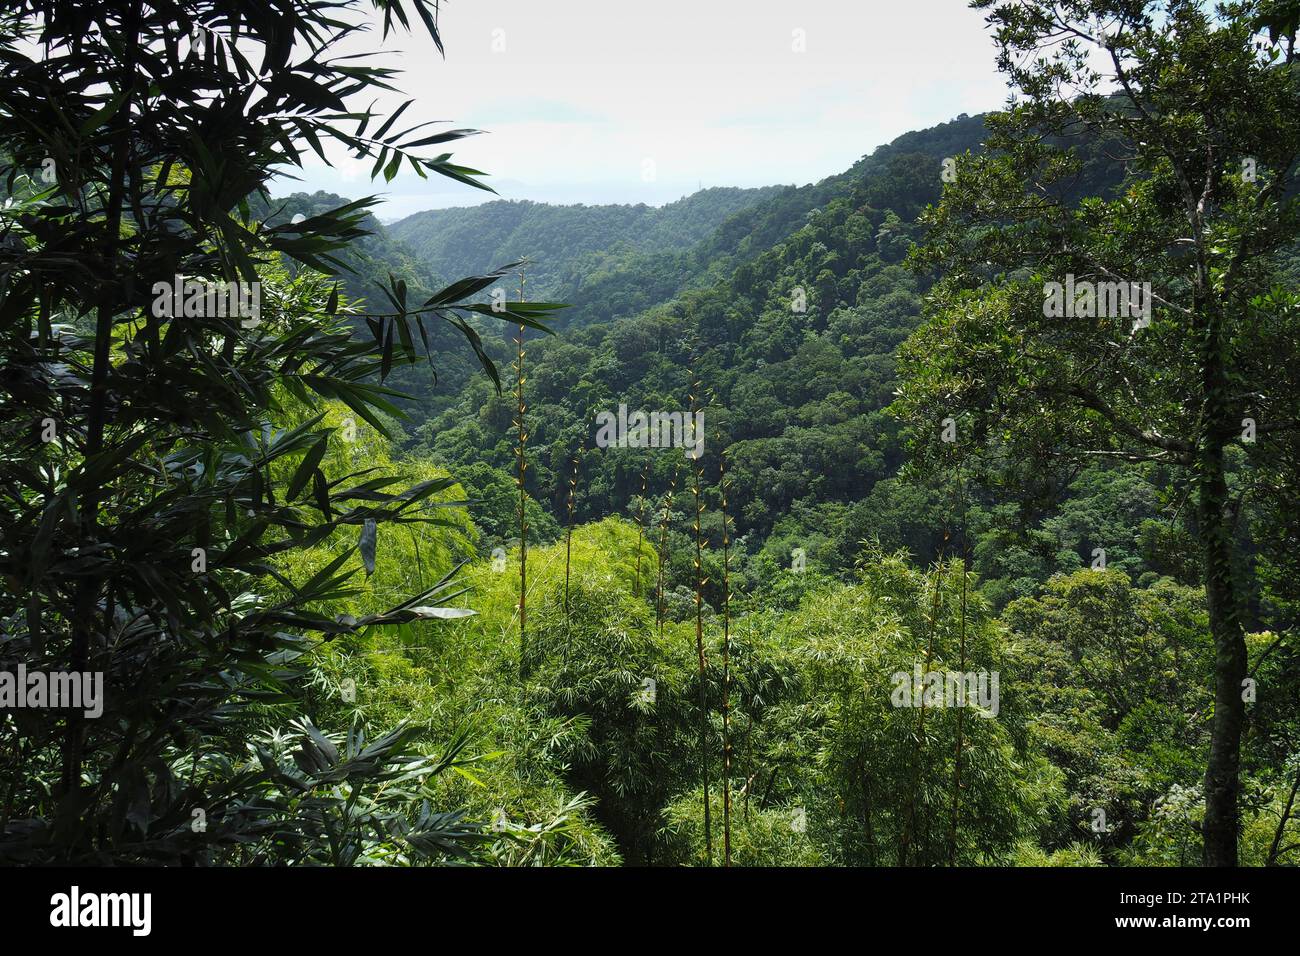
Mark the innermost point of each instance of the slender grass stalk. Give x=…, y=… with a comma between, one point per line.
x=700, y=580
x=956, y=766
x=726, y=665
x=663, y=551
x=640, y=525
x=521, y=454
x=750, y=773
x=568, y=548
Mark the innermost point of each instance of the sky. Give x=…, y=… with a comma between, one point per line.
x=626, y=101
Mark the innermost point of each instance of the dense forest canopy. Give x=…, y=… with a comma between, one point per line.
x=932, y=571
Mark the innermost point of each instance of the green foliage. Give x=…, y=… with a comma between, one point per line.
x=1197, y=106
x=767, y=837
x=1076, y=854
x=495, y=507
x=1117, y=679
x=340, y=681
x=143, y=538
x=598, y=662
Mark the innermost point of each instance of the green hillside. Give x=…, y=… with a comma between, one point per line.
x=798, y=395
x=564, y=243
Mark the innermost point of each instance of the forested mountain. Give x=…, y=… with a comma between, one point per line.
x=794, y=336
x=797, y=307
x=565, y=243
x=617, y=259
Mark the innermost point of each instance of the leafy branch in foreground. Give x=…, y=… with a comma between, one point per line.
x=148, y=488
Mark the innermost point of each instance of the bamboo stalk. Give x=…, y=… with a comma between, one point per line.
x=726, y=665
x=956, y=771
x=699, y=628
x=663, y=551
x=522, y=463
x=640, y=525
x=568, y=548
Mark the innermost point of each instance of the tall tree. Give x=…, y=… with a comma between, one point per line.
x=1199, y=106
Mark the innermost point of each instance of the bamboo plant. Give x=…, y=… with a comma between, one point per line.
x=663, y=551
x=726, y=663
x=640, y=524
x=521, y=455
x=568, y=533
x=700, y=580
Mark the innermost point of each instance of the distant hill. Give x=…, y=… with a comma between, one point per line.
x=712, y=280
x=561, y=241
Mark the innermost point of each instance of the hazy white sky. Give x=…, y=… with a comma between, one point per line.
x=629, y=101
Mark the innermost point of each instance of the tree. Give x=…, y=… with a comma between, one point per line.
x=150, y=335
x=1198, y=107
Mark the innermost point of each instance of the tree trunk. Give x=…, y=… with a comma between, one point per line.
x=1222, y=784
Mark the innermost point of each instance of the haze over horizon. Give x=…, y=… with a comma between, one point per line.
x=804, y=94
